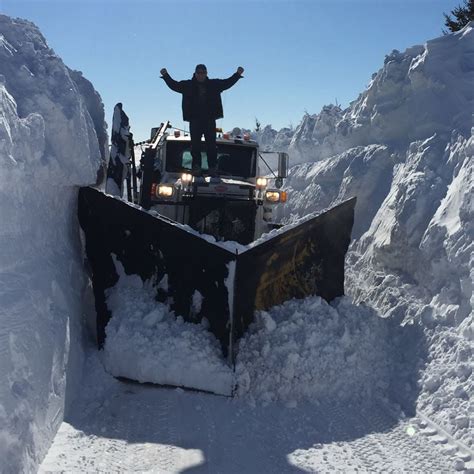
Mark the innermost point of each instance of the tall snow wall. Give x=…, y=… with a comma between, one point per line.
x=422, y=91
x=405, y=148
x=52, y=140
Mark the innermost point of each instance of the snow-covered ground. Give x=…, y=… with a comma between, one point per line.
x=119, y=427
x=377, y=381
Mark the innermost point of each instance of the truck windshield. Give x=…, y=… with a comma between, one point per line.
x=232, y=160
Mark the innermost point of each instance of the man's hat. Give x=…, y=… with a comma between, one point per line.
x=200, y=67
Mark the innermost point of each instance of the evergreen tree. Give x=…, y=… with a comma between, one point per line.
x=462, y=16
x=257, y=125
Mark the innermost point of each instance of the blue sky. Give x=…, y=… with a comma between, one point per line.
x=298, y=55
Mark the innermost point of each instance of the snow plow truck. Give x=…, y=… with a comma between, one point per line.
x=215, y=236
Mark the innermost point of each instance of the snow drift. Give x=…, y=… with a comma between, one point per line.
x=405, y=148
x=148, y=343
x=310, y=350
x=302, y=350
x=48, y=147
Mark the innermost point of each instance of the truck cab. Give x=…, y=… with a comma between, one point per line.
x=238, y=205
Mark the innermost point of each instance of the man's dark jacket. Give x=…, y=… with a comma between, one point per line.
x=192, y=110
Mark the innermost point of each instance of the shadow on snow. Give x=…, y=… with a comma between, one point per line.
x=237, y=437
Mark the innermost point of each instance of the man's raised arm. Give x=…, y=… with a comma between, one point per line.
x=170, y=82
x=230, y=81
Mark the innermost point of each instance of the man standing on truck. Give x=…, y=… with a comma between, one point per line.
x=202, y=106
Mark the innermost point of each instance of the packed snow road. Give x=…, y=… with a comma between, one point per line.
x=124, y=427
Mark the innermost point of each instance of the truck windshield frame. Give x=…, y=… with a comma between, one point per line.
x=232, y=160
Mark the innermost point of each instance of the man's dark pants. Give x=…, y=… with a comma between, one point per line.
x=198, y=128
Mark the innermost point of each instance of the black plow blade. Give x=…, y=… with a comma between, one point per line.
x=304, y=260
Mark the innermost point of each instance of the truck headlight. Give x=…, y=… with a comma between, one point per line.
x=276, y=196
x=165, y=190
x=272, y=196
x=261, y=183
x=186, y=177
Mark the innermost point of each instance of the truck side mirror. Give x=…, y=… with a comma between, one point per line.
x=283, y=164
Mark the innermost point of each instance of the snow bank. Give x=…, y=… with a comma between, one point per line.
x=48, y=147
x=315, y=136
x=310, y=350
x=447, y=384
x=422, y=91
x=272, y=140
x=364, y=172
x=146, y=342
x=405, y=148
